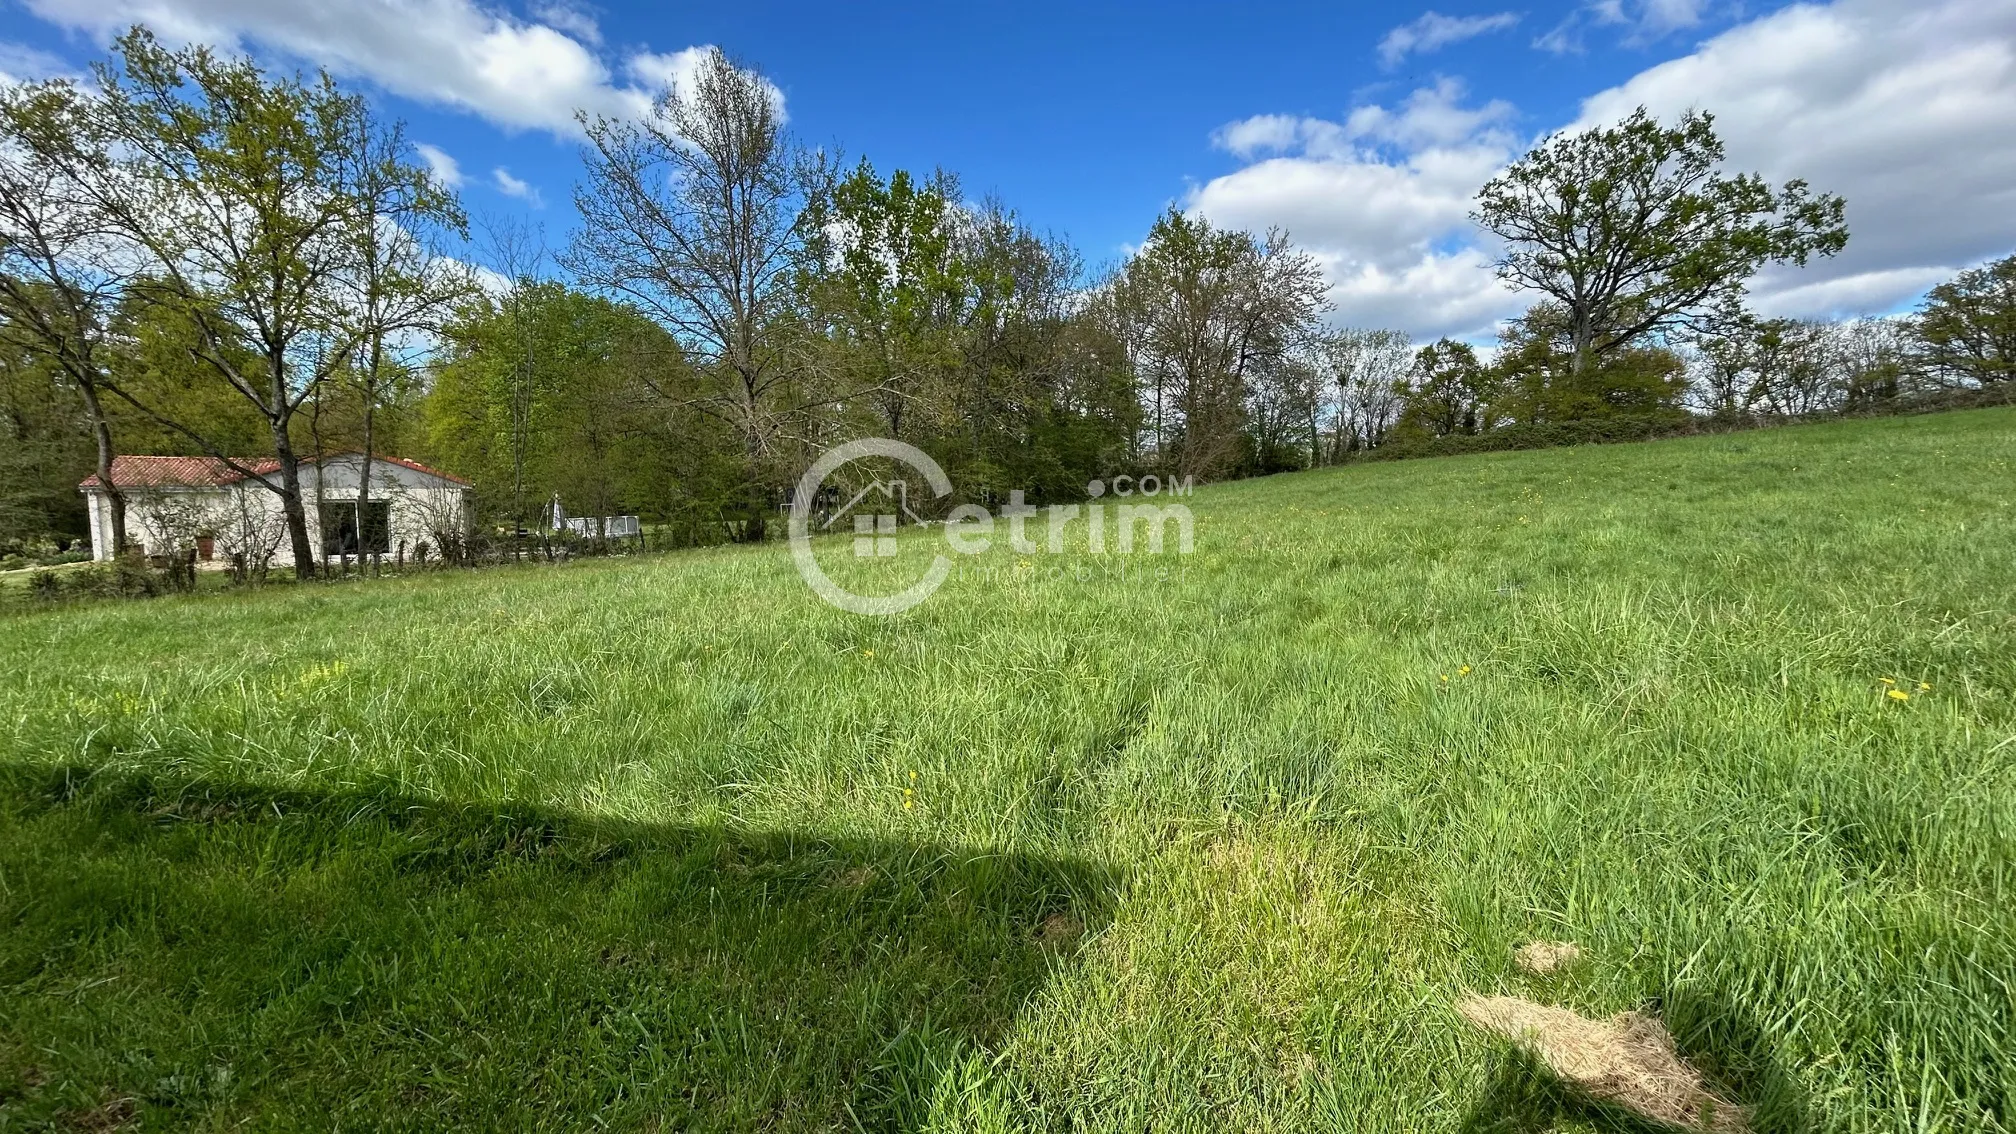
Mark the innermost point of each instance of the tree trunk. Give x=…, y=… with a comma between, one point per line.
x=364, y=466
x=115, y=498
x=1580, y=335
x=290, y=503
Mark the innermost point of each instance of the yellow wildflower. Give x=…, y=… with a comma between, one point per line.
x=1463, y=671
x=867, y=653
x=1887, y=680
x=1898, y=695
x=1924, y=688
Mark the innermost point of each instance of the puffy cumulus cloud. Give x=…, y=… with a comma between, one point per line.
x=1452, y=293
x=1262, y=133
x=1900, y=106
x=517, y=73
x=1433, y=116
x=1433, y=31
x=1382, y=199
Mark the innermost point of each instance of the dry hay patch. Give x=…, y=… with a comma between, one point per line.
x=1628, y=1060
x=1543, y=957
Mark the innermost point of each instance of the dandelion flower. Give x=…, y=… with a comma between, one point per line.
x=867, y=653
x=1445, y=677
x=1898, y=695
x=1887, y=680
x=1463, y=671
x=1924, y=688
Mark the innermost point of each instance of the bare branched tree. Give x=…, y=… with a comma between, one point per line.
x=694, y=213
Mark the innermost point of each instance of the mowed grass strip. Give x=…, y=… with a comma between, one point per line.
x=1201, y=842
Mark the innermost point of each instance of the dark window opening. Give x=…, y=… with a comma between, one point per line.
x=340, y=535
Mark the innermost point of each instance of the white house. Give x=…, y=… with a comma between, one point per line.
x=179, y=503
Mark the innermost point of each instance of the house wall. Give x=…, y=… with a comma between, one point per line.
x=247, y=517
x=99, y=510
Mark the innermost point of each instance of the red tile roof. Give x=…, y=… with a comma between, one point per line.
x=190, y=472
x=210, y=472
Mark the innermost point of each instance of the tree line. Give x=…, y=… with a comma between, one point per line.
x=197, y=256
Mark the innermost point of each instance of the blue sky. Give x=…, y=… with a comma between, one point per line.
x=1361, y=128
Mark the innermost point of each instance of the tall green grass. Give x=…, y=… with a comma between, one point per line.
x=629, y=843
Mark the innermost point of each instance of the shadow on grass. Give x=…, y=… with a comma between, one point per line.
x=207, y=953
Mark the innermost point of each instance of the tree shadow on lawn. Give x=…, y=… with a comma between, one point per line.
x=194, y=952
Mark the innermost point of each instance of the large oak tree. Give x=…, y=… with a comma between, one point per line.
x=1633, y=228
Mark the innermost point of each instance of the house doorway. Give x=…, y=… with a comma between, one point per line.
x=343, y=535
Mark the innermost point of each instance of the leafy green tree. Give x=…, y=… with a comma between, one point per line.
x=1966, y=327
x=1875, y=358
x=1449, y=391
x=593, y=425
x=240, y=194
x=1044, y=396
x=1202, y=311
x=1633, y=231
x=1783, y=367
x=155, y=364
x=890, y=288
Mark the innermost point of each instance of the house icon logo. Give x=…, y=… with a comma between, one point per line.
x=877, y=512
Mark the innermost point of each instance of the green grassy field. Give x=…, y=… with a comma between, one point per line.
x=669, y=844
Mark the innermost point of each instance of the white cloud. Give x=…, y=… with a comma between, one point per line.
x=570, y=19
x=517, y=73
x=1262, y=133
x=657, y=73
x=20, y=63
x=1901, y=108
x=515, y=187
x=1433, y=116
x=1642, y=22
x=1430, y=116
x=1382, y=200
x=445, y=170
x=1433, y=31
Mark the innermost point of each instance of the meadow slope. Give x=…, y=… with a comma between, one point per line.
x=667, y=843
